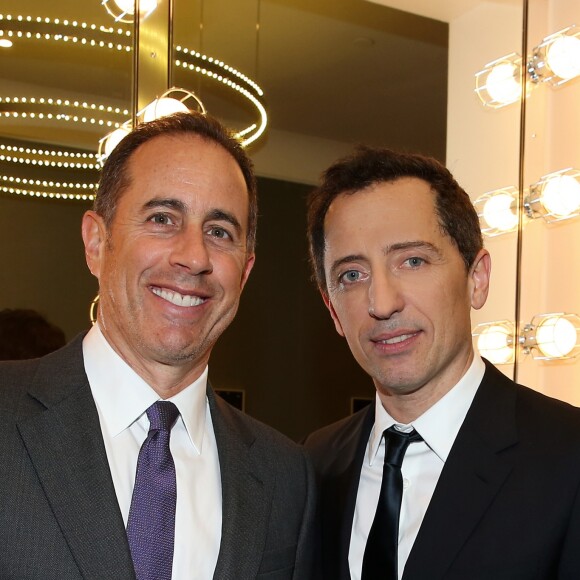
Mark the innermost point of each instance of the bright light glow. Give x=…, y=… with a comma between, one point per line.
x=128, y=6
x=499, y=213
x=502, y=83
x=113, y=139
x=561, y=195
x=563, y=57
x=494, y=344
x=163, y=107
x=5, y=43
x=556, y=337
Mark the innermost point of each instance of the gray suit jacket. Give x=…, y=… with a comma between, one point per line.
x=507, y=504
x=59, y=516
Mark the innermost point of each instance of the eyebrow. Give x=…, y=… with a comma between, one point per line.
x=178, y=205
x=400, y=246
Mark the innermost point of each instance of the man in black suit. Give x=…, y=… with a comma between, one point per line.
x=482, y=474
x=171, y=241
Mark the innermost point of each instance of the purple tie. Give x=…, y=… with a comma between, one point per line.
x=151, y=525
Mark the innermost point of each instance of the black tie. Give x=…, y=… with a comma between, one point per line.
x=380, y=559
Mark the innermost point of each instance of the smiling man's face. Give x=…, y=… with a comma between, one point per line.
x=172, y=264
x=398, y=288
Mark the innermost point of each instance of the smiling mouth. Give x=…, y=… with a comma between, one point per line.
x=184, y=300
x=396, y=339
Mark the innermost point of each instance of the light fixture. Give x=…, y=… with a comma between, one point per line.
x=556, y=60
x=124, y=10
x=498, y=211
x=5, y=43
x=174, y=100
x=553, y=336
x=555, y=197
x=496, y=341
x=499, y=83
x=40, y=110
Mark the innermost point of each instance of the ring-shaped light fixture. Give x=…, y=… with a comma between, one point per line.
x=46, y=110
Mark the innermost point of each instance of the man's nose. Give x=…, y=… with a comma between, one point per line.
x=385, y=296
x=190, y=251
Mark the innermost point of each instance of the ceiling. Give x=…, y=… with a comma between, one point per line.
x=344, y=70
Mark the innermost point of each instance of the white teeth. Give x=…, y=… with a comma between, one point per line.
x=397, y=339
x=177, y=298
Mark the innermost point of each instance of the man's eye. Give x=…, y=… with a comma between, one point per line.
x=415, y=262
x=218, y=232
x=161, y=218
x=350, y=276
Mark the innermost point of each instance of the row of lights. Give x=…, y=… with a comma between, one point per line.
x=553, y=336
x=555, y=61
x=555, y=197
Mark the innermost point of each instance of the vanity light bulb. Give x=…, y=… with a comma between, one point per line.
x=113, y=139
x=128, y=6
x=163, y=107
x=556, y=337
x=561, y=196
x=494, y=344
x=499, y=213
x=502, y=83
x=563, y=57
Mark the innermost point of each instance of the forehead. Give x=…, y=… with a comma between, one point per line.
x=395, y=208
x=185, y=166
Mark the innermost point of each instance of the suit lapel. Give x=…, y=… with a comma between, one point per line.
x=64, y=442
x=339, y=490
x=247, y=487
x=473, y=474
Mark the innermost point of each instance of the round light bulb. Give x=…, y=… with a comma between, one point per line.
x=563, y=57
x=561, y=195
x=128, y=6
x=498, y=212
x=5, y=43
x=502, y=83
x=494, y=344
x=113, y=139
x=163, y=107
x=556, y=337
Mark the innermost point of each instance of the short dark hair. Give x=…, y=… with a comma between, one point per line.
x=368, y=166
x=27, y=334
x=115, y=177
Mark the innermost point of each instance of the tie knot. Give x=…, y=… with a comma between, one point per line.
x=162, y=415
x=396, y=444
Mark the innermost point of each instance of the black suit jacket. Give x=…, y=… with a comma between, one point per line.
x=59, y=515
x=506, y=506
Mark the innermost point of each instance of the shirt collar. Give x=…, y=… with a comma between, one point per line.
x=122, y=396
x=438, y=425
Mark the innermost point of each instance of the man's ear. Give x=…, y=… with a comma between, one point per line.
x=333, y=314
x=94, y=234
x=479, y=276
x=250, y=260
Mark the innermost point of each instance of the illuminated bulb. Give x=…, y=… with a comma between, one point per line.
x=502, y=84
x=561, y=195
x=163, y=107
x=113, y=139
x=128, y=6
x=556, y=337
x=494, y=344
x=5, y=43
x=498, y=212
x=563, y=57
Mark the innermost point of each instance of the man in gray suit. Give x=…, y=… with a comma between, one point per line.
x=171, y=241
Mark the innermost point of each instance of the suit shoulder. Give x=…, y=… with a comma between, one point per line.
x=338, y=434
x=15, y=377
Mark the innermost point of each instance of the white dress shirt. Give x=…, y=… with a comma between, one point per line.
x=122, y=398
x=422, y=466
